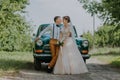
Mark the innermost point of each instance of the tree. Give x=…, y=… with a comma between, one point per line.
x=104, y=36
x=108, y=10
x=14, y=30
x=107, y=37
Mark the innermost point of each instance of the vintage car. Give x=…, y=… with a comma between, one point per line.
x=41, y=49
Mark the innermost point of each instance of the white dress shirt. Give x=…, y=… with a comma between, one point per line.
x=55, y=31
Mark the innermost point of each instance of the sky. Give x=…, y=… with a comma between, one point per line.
x=44, y=11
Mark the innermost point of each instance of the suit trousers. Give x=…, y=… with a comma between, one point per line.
x=54, y=52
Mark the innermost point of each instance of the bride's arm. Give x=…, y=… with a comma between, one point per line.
x=61, y=36
x=70, y=34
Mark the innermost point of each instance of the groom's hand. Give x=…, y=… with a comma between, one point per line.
x=57, y=43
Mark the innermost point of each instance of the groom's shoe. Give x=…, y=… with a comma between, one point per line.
x=49, y=69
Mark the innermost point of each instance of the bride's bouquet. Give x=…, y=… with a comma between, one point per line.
x=61, y=43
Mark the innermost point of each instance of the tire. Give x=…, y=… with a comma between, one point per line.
x=37, y=64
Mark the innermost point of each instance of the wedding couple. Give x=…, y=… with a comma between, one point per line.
x=66, y=58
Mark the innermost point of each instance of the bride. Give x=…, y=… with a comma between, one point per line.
x=69, y=60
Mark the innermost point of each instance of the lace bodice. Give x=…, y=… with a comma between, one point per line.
x=65, y=32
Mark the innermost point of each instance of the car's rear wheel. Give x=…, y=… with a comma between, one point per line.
x=37, y=64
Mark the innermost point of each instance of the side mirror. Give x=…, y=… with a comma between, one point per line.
x=34, y=35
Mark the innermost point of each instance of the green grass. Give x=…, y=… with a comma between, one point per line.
x=108, y=55
x=12, y=62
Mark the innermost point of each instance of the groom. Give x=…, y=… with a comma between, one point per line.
x=55, y=29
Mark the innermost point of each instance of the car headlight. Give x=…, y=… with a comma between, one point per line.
x=39, y=42
x=85, y=43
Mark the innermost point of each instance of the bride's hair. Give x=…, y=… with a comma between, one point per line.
x=67, y=18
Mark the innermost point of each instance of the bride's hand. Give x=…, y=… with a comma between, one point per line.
x=70, y=34
x=65, y=41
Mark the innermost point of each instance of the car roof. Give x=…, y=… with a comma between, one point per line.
x=42, y=25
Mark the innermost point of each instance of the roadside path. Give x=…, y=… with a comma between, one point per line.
x=97, y=71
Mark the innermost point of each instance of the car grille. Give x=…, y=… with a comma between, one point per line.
x=47, y=48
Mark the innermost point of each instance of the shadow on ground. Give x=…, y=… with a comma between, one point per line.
x=16, y=65
x=10, y=64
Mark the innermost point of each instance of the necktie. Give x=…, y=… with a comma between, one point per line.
x=58, y=25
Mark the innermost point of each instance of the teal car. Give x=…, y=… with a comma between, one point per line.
x=41, y=48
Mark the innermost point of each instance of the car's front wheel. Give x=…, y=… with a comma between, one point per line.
x=37, y=64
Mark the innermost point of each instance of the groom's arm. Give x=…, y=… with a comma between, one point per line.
x=42, y=32
x=61, y=36
x=45, y=30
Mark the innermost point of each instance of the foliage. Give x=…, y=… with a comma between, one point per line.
x=104, y=36
x=14, y=30
x=108, y=10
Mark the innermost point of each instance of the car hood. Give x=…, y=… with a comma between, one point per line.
x=79, y=40
x=45, y=39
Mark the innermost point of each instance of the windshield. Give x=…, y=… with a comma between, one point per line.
x=42, y=27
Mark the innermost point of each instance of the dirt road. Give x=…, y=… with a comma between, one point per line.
x=97, y=71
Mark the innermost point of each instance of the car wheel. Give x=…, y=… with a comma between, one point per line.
x=37, y=64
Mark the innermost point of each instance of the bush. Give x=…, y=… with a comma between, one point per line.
x=14, y=30
x=105, y=36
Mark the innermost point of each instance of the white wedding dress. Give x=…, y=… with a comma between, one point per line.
x=69, y=60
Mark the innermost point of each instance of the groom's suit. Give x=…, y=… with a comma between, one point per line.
x=55, y=34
